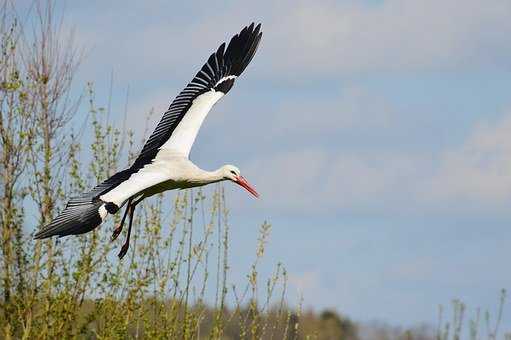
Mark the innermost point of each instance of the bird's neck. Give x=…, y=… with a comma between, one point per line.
x=208, y=177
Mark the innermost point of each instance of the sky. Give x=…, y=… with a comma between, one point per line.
x=377, y=132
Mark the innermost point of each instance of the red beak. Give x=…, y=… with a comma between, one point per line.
x=241, y=181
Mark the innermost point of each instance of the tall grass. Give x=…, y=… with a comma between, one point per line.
x=478, y=326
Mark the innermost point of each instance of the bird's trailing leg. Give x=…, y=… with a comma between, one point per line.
x=126, y=244
x=117, y=231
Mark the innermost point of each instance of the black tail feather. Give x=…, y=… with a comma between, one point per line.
x=77, y=218
x=81, y=214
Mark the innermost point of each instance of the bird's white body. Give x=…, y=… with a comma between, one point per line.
x=170, y=170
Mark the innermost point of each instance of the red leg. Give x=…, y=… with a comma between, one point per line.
x=117, y=231
x=126, y=244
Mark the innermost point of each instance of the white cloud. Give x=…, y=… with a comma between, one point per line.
x=473, y=177
x=479, y=172
x=305, y=283
x=304, y=39
x=332, y=37
x=352, y=107
x=319, y=181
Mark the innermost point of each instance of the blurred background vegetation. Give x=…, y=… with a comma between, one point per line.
x=174, y=283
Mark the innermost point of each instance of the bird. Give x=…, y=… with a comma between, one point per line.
x=163, y=163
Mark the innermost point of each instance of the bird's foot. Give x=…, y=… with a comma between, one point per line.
x=123, y=251
x=116, y=233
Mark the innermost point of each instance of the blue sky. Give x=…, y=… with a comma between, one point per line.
x=377, y=132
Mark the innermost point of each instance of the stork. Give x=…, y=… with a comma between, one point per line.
x=163, y=164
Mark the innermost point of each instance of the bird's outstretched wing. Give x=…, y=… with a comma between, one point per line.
x=180, y=124
x=176, y=131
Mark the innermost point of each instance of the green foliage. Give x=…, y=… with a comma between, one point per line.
x=476, y=328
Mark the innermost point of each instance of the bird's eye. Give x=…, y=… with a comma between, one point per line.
x=233, y=172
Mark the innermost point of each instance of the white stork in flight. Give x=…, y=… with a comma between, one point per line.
x=163, y=163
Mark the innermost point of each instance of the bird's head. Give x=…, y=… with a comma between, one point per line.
x=232, y=173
